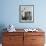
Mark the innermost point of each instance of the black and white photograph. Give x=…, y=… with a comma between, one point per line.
x=26, y=13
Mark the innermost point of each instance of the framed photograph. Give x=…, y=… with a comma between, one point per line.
x=26, y=13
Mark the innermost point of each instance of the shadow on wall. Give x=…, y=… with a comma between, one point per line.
x=2, y=26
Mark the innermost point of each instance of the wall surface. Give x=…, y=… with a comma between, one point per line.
x=10, y=13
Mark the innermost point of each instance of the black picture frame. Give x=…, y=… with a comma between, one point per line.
x=26, y=13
